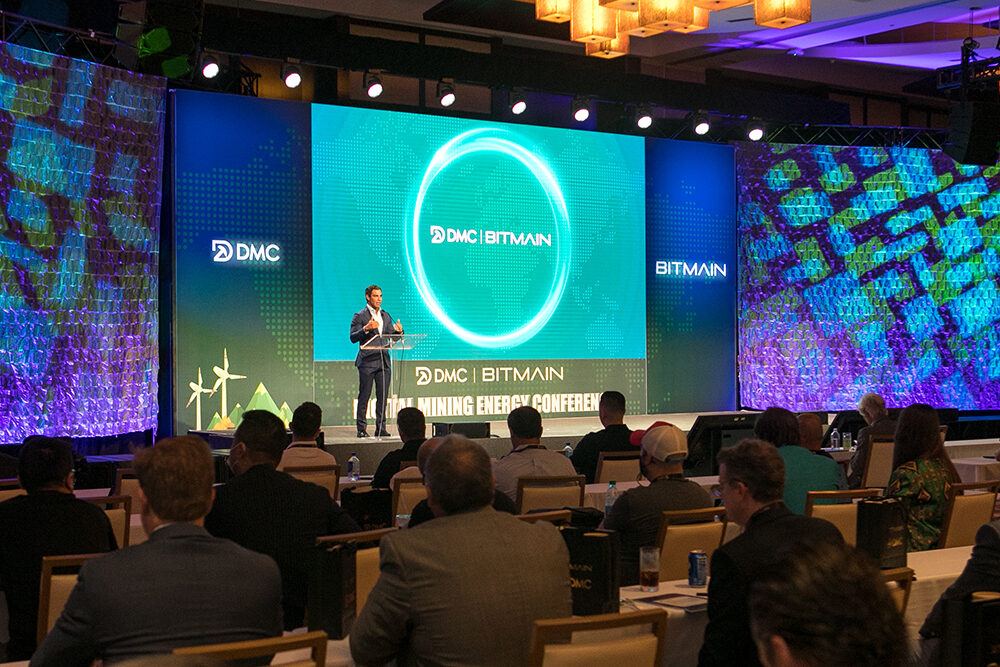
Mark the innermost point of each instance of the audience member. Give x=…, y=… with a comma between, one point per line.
x=872, y=408
x=465, y=588
x=304, y=450
x=271, y=512
x=527, y=456
x=614, y=437
x=412, y=431
x=183, y=587
x=981, y=573
x=825, y=605
x=803, y=471
x=48, y=521
x=636, y=514
x=811, y=433
x=922, y=475
x=422, y=511
x=751, y=483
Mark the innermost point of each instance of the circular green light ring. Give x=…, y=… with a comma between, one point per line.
x=487, y=141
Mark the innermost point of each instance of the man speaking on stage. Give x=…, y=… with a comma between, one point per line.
x=373, y=365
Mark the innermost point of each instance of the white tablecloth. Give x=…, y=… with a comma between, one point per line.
x=977, y=469
x=593, y=495
x=934, y=571
x=685, y=630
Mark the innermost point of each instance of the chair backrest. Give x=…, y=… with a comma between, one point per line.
x=403, y=465
x=126, y=484
x=557, y=517
x=58, y=579
x=685, y=530
x=617, y=467
x=327, y=476
x=967, y=512
x=843, y=515
x=878, y=468
x=544, y=492
x=119, y=512
x=365, y=559
x=550, y=639
x=406, y=493
x=899, y=581
x=315, y=642
x=10, y=488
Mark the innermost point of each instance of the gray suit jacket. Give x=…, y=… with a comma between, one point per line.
x=463, y=589
x=181, y=588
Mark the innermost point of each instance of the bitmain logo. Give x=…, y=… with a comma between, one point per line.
x=487, y=237
x=691, y=269
x=226, y=251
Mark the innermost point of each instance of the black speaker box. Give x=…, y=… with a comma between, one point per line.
x=974, y=133
x=468, y=429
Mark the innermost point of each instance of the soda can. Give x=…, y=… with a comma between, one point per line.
x=697, y=568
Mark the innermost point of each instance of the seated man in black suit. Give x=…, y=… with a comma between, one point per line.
x=271, y=512
x=751, y=484
x=422, y=511
x=981, y=573
x=182, y=587
x=614, y=437
x=412, y=430
x=825, y=605
x=48, y=521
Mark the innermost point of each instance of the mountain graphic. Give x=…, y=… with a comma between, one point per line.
x=214, y=422
x=236, y=415
x=262, y=401
x=285, y=413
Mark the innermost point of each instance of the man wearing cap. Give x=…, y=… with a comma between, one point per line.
x=636, y=514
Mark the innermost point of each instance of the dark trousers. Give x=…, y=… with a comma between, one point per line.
x=366, y=376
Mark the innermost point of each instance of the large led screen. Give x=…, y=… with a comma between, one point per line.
x=867, y=269
x=516, y=256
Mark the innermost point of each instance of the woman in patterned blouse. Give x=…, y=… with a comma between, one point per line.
x=922, y=475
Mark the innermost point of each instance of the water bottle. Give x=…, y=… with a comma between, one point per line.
x=610, y=496
x=568, y=450
x=834, y=439
x=353, y=467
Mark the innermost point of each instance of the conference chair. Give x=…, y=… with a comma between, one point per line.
x=617, y=467
x=119, y=512
x=878, y=468
x=403, y=465
x=562, y=642
x=406, y=493
x=58, y=579
x=10, y=488
x=555, y=517
x=126, y=484
x=327, y=476
x=315, y=642
x=682, y=531
x=966, y=512
x=843, y=515
x=365, y=558
x=546, y=492
x=899, y=580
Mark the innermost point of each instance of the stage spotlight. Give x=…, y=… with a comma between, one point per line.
x=446, y=93
x=581, y=108
x=209, y=66
x=291, y=75
x=518, y=105
x=755, y=130
x=373, y=84
x=700, y=124
x=644, y=116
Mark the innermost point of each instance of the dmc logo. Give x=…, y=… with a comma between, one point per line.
x=427, y=375
x=223, y=251
x=437, y=234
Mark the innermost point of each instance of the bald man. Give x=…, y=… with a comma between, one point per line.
x=422, y=512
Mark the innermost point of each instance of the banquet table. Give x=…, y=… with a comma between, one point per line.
x=977, y=469
x=933, y=572
x=593, y=495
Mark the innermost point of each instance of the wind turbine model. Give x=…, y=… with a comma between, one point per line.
x=197, y=390
x=224, y=376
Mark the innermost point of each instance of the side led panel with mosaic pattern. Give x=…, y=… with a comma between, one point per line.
x=80, y=179
x=867, y=269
